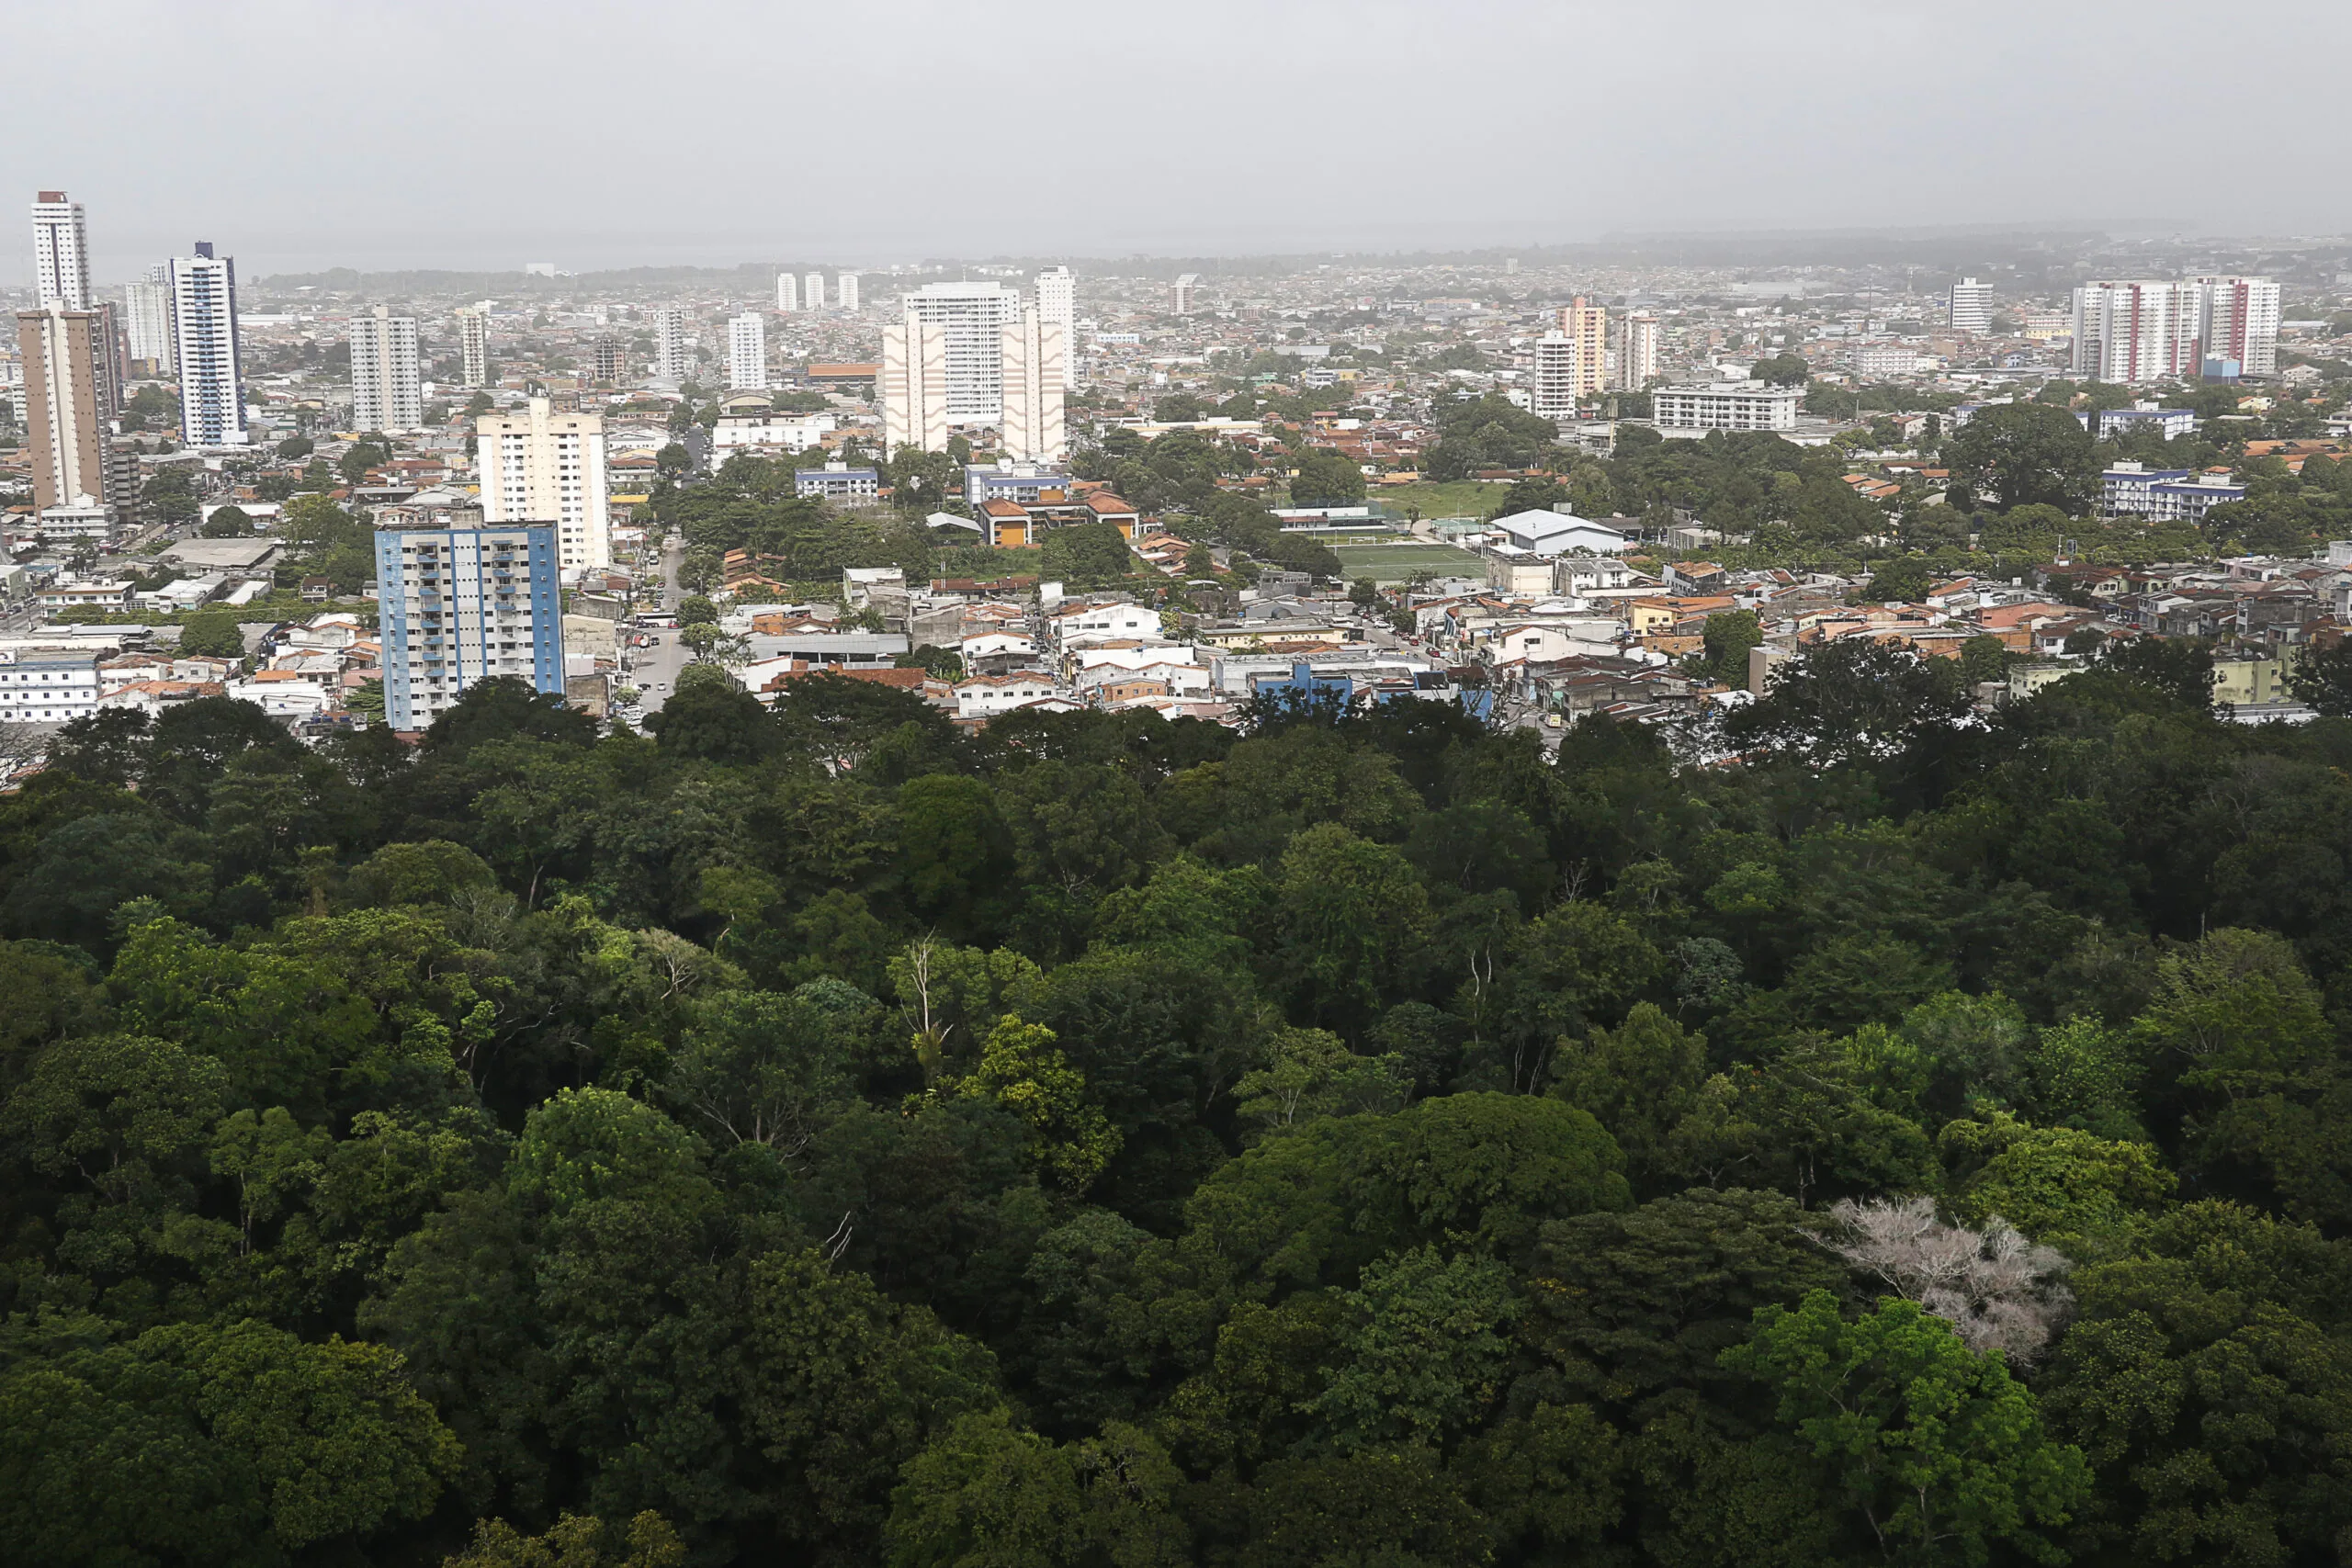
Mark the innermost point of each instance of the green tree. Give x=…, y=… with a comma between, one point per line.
x=1725, y=639
x=1021, y=1070
x=199, y=1441
x=1984, y=658
x=2322, y=677
x=1850, y=699
x=1311, y=1073
x=1353, y=915
x=1640, y=1081
x=213, y=632
x=228, y=522
x=2210, y=1385
x=1426, y=1352
x=1325, y=479
x=574, y=1542
x=1784, y=369
x=1937, y=1450
x=2023, y=455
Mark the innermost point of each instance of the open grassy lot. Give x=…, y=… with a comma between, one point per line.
x=1463, y=498
x=1395, y=563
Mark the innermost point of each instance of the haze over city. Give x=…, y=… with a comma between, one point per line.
x=434, y=134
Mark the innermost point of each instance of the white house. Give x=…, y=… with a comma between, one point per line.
x=1104, y=620
x=989, y=645
x=985, y=696
x=1511, y=641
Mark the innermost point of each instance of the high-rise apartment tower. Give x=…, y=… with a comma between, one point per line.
x=973, y=317
x=2136, y=330
x=147, y=320
x=1587, y=325
x=65, y=411
x=386, y=388
x=544, y=466
x=1058, y=303
x=473, y=330
x=205, y=341
x=913, y=386
x=61, y=252
x=845, y=291
x=1969, y=307
x=1555, y=376
x=1637, y=350
x=2238, y=319
x=747, y=353
x=669, y=344
x=813, y=288
x=1032, y=351
x=787, y=291
x=459, y=605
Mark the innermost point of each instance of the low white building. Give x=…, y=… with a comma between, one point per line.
x=995, y=644
x=70, y=597
x=1103, y=620
x=777, y=432
x=1183, y=679
x=986, y=696
x=1734, y=405
x=1560, y=534
x=40, y=686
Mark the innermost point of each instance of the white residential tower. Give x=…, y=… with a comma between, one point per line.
x=387, y=391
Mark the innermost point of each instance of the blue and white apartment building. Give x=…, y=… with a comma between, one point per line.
x=462, y=605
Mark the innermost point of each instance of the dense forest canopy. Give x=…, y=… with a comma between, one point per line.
x=822, y=1134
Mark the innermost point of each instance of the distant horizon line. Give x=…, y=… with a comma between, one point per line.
x=1623, y=246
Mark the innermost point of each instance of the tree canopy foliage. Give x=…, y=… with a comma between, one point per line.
x=823, y=1132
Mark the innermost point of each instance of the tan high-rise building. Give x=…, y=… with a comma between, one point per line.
x=473, y=328
x=544, y=466
x=1637, y=350
x=1035, y=353
x=64, y=406
x=914, y=386
x=1587, y=325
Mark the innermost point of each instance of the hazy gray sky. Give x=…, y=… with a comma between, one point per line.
x=301, y=135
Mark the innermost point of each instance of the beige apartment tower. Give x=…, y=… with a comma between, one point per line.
x=1587, y=325
x=1637, y=351
x=544, y=466
x=65, y=405
x=1035, y=352
x=914, y=387
x=473, y=329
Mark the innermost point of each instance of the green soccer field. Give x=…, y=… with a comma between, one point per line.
x=1395, y=563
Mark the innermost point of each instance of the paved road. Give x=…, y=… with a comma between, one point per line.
x=656, y=665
